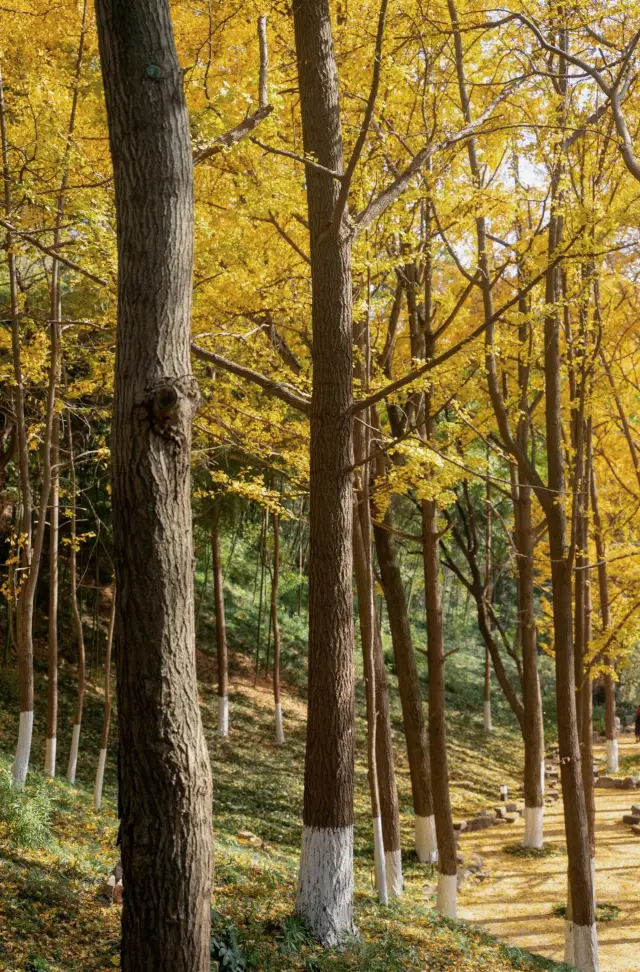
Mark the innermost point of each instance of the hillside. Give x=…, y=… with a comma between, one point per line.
x=50, y=916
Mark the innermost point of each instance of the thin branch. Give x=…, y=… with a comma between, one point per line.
x=343, y=195
x=297, y=158
x=50, y=251
x=286, y=393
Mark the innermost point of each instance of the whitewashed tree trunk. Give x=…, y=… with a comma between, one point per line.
x=426, y=840
x=325, y=882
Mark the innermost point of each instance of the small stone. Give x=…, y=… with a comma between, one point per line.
x=512, y=807
x=606, y=783
x=635, y=829
x=460, y=825
x=512, y=817
x=476, y=864
x=460, y=858
x=501, y=810
x=631, y=818
x=463, y=875
x=635, y=809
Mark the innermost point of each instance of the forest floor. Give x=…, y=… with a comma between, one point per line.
x=51, y=919
x=518, y=901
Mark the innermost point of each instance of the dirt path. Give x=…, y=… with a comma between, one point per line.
x=516, y=902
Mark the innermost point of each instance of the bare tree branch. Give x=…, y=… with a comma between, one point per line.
x=286, y=393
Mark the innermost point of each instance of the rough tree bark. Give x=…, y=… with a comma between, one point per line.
x=275, y=627
x=106, y=723
x=75, y=608
x=366, y=617
x=325, y=884
x=164, y=772
x=221, y=636
x=613, y=763
x=410, y=695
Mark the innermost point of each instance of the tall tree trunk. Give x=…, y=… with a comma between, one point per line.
x=276, y=629
x=410, y=695
x=164, y=771
x=389, y=809
x=366, y=616
x=447, y=855
x=56, y=315
x=24, y=635
x=533, y=726
x=613, y=764
x=488, y=594
x=77, y=616
x=325, y=884
x=582, y=940
x=52, y=654
x=221, y=636
x=106, y=723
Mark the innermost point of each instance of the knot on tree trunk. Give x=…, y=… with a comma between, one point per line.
x=171, y=404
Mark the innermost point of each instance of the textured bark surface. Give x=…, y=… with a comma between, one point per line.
x=75, y=609
x=275, y=627
x=406, y=670
x=328, y=790
x=54, y=540
x=221, y=628
x=447, y=861
x=533, y=726
x=164, y=773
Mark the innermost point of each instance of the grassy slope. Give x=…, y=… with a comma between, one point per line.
x=49, y=914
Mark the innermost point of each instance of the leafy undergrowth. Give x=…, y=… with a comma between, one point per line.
x=51, y=874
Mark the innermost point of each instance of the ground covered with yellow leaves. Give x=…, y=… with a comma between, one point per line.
x=50, y=915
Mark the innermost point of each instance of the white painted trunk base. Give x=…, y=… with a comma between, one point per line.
x=447, y=895
x=325, y=883
x=279, y=729
x=585, y=948
x=393, y=866
x=50, y=757
x=23, y=749
x=223, y=716
x=97, y=790
x=542, y=780
x=487, y=717
x=73, y=753
x=568, y=942
x=533, y=827
x=426, y=842
x=613, y=760
x=379, y=862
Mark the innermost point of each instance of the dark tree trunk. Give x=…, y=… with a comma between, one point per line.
x=605, y=614
x=276, y=629
x=77, y=616
x=52, y=649
x=106, y=722
x=164, y=775
x=389, y=809
x=447, y=856
x=410, y=695
x=221, y=636
x=325, y=886
x=533, y=726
